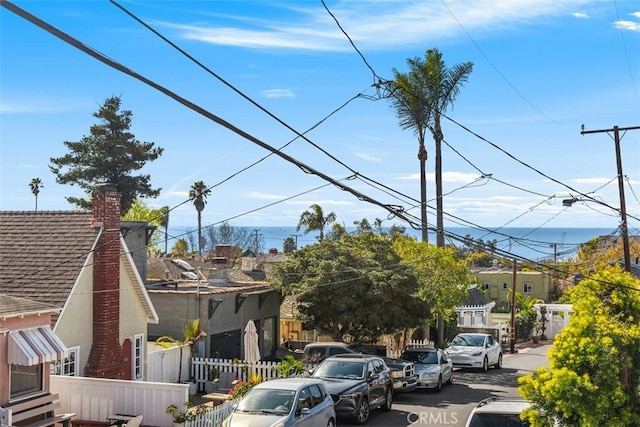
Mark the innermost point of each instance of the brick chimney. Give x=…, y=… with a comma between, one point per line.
x=106, y=358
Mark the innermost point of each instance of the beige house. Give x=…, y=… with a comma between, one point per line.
x=79, y=263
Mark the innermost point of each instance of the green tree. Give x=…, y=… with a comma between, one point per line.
x=314, y=219
x=191, y=334
x=289, y=245
x=199, y=193
x=35, y=185
x=443, y=278
x=140, y=211
x=593, y=378
x=351, y=286
x=109, y=154
x=180, y=248
x=164, y=223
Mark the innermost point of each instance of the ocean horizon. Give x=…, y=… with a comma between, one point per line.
x=535, y=244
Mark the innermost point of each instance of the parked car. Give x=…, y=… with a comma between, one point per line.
x=431, y=365
x=402, y=372
x=475, y=350
x=498, y=412
x=284, y=402
x=358, y=383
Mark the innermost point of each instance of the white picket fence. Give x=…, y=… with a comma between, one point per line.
x=213, y=417
x=228, y=370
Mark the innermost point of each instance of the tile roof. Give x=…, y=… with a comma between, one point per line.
x=158, y=265
x=42, y=253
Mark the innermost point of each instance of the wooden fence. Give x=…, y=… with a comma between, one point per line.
x=228, y=370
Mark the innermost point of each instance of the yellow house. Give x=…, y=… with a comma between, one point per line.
x=497, y=282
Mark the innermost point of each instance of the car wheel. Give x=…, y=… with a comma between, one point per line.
x=331, y=423
x=450, y=378
x=388, y=401
x=498, y=364
x=439, y=386
x=362, y=413
x=485, y=364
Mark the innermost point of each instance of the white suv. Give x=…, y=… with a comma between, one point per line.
x=498, y=412
x=475, y=350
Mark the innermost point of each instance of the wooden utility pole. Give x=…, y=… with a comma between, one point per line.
x=512, y=330
x=624, y=231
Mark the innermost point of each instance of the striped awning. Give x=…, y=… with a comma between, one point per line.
x=32, y=346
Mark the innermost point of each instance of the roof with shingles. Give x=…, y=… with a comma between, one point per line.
x=42, y=253
x=18, y=307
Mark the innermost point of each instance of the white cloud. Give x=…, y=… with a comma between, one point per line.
x=365, y=156
x=414, y=22
x=278, y=93
x=635, y=14
x=627, y=25
x=580, y=15
x=591, y=180
x=263, y=196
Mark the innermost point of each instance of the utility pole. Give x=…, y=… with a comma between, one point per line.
x=257, y=240
x=512, y=329
x=555, y=267
x=296, y=236
x=623, y=209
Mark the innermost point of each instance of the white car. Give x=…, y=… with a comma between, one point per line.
x=475, y=350
x=284, y=402
x=493, y=412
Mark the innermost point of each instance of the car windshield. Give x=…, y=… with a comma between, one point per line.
x=468, y=340
x=426, y=357
x=497, y=420
x=340, y=369
x=267, y=401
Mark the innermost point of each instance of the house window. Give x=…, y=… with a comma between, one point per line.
x=137, y=356
x=527, y=288
x=25, y=380
x=485, y=286
x=67, y=366
x=505, y=285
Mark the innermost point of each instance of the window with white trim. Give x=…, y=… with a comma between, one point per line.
x=527, y=288
x=68, y=365
x=138, y=347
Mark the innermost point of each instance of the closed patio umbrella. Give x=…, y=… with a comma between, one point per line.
x=251, y=348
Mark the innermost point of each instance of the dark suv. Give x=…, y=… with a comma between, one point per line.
x=401, y=371
x=358, y=383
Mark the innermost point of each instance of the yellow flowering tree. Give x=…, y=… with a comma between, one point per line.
x=593, y=377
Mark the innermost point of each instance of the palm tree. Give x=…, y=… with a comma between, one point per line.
x=36, y=185
x=425, y=92
x=314, y=220
x=198, y=193
x=164, y=223
x=191, y=335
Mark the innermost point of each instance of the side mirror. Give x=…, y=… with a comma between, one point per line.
x=305, y=411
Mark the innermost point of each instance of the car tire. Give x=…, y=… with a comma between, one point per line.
x=485, y=364
x=362, y=412
x=450, y=378
x=388, y=401
x=498, y=364
x=439, y=386
x=331, y=423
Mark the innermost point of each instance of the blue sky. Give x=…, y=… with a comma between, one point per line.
x=542, y=68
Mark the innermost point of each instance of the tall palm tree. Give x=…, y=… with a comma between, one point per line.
x=315, y=220
x=423, y=95
x=198, y=193
x=164, y=223
x=35, y=185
